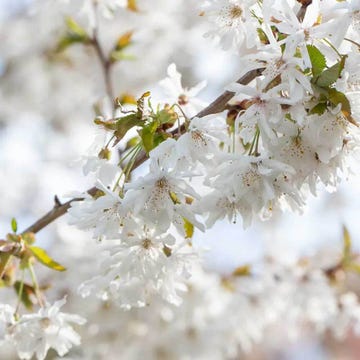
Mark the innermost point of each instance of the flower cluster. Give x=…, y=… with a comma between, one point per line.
x=35, y=334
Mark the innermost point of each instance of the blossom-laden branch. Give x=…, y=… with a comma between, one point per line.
x=217, y=106
x=285, y=133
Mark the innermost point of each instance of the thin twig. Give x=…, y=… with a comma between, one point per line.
x=104, y=60
x=219, y=104
x=105, y=65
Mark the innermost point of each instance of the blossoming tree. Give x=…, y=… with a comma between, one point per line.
x=165, y=167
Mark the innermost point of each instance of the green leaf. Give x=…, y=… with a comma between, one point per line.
x=121, y=126
x=132, y=142
x=74, y=34
x=318, y=60
x=14, y=226
x=124, y=40
x=27, y=291
x=336, y=97
x=147, y=137
x=189, y=229
x=4, y=261
x=132, y=5
x=120, y=55
x=43, y=257
x=74, y=27
x=330, y=75
x=122, y=43
x=318, y=109
x=166, y=116
x=29, y=238
x=242, y=271
x=124, y=124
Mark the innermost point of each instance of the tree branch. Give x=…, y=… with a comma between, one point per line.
x=217, y=106
x=104, y=60
x=105, y=65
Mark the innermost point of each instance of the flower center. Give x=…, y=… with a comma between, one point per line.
x=198, y=137
x=235, y=12
x=183, y=99
x=45, y=322
x=146, y=244
x=230, y=15
x=250, y=177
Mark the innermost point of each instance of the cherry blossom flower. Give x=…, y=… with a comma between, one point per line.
x=184, y=97
x=234, y=24
x=35, y=334
x=147, y=263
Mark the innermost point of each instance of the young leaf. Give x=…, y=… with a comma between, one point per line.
x=74, y=34
x=120, y=55
x=43, y=257
x=336, y=97
x=27, y=291
x=132, y=5
x=29, y=238
x=318, y=60
x=124, y=40
x=4, y=262
x=127, y=98
x=14, y=226
x=330, y=75
x=318, y=109
x=242, y=271
x=147, y=137
x=124, y=124
x=74, y=27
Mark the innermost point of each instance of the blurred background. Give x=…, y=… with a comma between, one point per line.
x=46, y=125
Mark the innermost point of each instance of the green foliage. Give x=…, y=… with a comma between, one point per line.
x=26, y=291
x=14, y=225
x=5, y=258
x=319, y=109
x=120, y=126
x=242, y=271
x=123, y=42
x=152, y=124
x=132, y=5
x=318, y=61
x=336, y=97
x=329, y=76
x=42, y=256
x=75, y=34
x=323, y=80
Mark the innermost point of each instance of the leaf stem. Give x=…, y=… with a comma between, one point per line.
x=21, y=289
x=35, y=284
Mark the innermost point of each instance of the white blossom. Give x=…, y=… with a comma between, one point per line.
x=184, y=97
x=35, y=334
